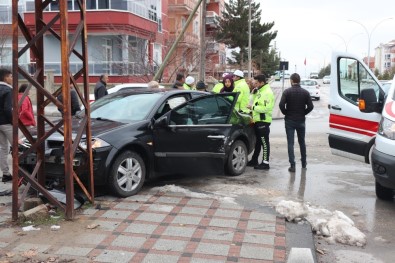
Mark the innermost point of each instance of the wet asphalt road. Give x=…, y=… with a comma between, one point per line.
x=331, y=182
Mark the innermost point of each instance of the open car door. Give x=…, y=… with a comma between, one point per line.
x=192, y=137
x=352, y=132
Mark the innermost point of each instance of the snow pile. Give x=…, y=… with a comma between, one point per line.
x=176, y=189
x=292, y=210
x=335, y=226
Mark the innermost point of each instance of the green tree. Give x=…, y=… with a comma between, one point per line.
x=234, y=31
x=324, y=71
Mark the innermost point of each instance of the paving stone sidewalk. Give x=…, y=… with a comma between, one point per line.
x=150, y=227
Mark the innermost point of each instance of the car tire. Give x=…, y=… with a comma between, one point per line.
x=384, y=193
x=127, y=174
x=237, y=159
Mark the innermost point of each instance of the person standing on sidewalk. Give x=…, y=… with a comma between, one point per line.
x=101, y=87
x=295, y=104
x=262, y=108
x=5, y=121
x=26, y=115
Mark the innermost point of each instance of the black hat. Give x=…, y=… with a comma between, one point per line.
x=200, y=85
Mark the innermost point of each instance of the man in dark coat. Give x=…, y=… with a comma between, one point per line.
x=295, y=104
x=75, y=104
x=101, y=87
x=5, y=121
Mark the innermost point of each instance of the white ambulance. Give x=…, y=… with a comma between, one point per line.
x=362, y=119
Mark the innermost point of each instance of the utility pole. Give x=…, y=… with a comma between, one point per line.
x=249, y=38
x=202, y=72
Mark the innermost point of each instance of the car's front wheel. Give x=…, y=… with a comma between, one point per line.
x=237, y=159
x=384, y=193
x=127, y=174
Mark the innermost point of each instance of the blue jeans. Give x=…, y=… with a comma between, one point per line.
x=300, y=127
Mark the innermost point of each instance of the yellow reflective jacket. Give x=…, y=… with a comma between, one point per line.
x=217, y=88
x=186, y=86
x=262, y=107
x=242, y=87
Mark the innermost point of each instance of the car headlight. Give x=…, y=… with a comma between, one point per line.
x=96, y=143
x=387, y=128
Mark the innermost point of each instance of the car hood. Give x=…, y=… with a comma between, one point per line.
x=98, y=127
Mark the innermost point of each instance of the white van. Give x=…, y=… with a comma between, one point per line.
x=362, y=119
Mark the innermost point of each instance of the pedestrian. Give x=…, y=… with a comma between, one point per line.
x=242, y=87
x=153, y=84
x=228, y=84
x=189, y=83
x=26, y=115
x=101, y=87
x=219, y=86
x=201, y=86
x=295, y=104
x=5, y=122
x=261, y=108
x=180, y=79
x=75, y=104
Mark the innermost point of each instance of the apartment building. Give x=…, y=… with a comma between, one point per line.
x=127, y=39
x=385, y=56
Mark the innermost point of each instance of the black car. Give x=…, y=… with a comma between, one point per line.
x=138, y=134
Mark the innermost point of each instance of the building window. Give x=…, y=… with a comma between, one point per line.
x=183, y=22
x=387, y=56
x=196, y=27
x=387, y=64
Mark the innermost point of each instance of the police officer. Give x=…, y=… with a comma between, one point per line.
x=242, y=87
x=188, y=84
x=261, y=108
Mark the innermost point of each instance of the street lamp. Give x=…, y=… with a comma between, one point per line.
x=369, y=34
x=344, y=41
x=249, y=38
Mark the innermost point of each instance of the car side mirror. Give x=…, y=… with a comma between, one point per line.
x=368, y=102
x=162, y=122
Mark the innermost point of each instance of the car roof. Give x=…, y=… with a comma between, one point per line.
x=164, y=91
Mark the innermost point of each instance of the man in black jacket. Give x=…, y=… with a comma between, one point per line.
x=5, y=121
x=295, y=104
x=75, y=104
x=101, y=87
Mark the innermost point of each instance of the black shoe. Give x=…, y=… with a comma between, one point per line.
x=304, y=165
x=292, y=168
x=6, y=178
x=262, y=166
x=252, y=163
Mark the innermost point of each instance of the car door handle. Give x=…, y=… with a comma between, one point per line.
x=336, y=107
x=216, y=136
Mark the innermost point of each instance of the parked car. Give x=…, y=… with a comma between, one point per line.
x=123, y=86
x=137, y=134
x=312, y=87
x=326, y=80
x=314, y=75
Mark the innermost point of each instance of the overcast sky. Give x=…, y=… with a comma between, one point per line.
x=311, y=29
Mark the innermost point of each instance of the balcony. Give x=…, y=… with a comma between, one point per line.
x=212, y=48
x=212, y=19
x=182, y=6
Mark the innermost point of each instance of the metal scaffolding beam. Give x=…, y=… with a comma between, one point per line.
x=35, y=177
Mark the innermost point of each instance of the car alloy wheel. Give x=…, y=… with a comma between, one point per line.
x=127, y=174
x=237, y=160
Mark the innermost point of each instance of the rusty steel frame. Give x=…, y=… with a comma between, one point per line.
x=35, y=44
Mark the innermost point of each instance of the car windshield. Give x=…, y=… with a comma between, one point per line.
x=123, y=108
x=307, y=83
